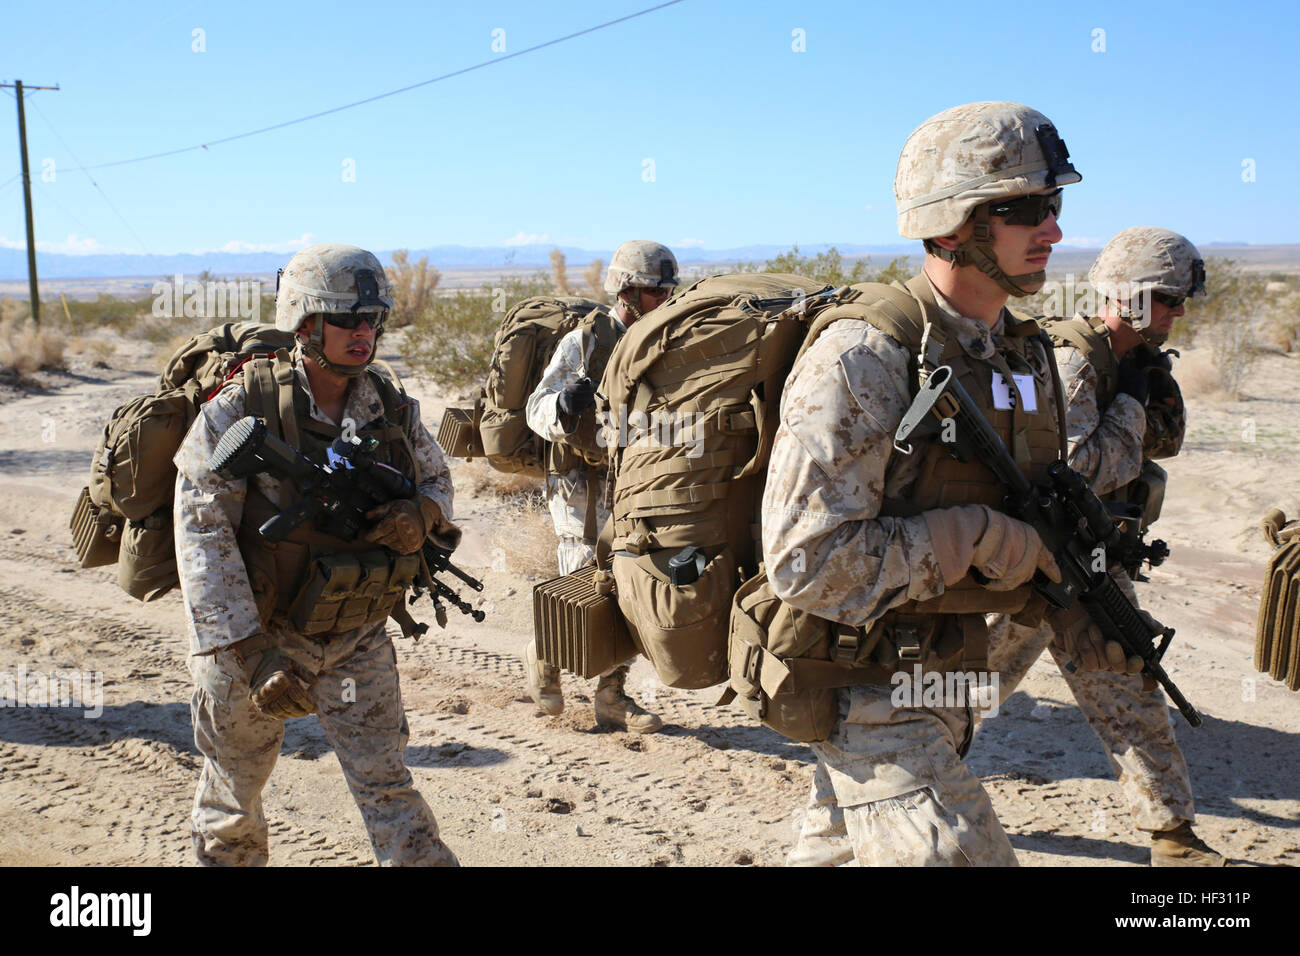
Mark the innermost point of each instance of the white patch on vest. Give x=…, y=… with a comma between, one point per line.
x=1005, y=400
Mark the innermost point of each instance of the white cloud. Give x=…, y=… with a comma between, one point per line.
x=522, y=238
x=238, y=245
x=689, y=244
x=72, y=246
x=1083, y=242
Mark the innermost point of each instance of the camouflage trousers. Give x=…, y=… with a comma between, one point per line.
x=1133, y=724
x=359, y=706
x=891, y=790
x=566, y=499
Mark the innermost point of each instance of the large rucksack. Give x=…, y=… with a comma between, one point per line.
x=498, y=428
x=692, y=394
x=124, y=515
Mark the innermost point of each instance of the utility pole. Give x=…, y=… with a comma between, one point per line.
x=27, y=197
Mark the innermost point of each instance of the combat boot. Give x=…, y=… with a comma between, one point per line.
x=1182, y=847
x=543, y=682
x=615, y=709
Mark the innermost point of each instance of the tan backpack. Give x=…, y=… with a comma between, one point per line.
x=692, y=394
x=498, y=429
x=124, y=515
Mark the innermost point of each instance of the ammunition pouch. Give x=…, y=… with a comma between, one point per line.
x=351, y=589
x=680, y=628
x=786, y=663
x=578, y=625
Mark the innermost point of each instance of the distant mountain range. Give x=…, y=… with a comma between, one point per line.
x=13, y=262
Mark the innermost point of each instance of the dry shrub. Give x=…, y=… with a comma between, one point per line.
x=594, y=276
x=96, y=351
x=413, y=287
x=1198, y=377
x=451, y=344
x=525, y=536
x=26, y=347
x=559, y=273
x=477, y=477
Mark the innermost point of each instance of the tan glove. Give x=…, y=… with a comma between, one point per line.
x=402, y=524
x=1004, y=550
x=1082, y=641
x=274, y=684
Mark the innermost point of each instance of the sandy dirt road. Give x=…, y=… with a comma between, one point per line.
x=510, y=787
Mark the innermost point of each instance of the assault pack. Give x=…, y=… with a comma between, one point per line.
x=497, y=427
x=124, y=514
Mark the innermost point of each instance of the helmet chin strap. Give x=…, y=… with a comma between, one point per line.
x=1143, y=332
x=314, y=348
x=977, y=251
x=629, y=305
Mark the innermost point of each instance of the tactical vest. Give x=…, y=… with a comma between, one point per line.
x=1034, y=439
x=580, y=449
x=313, y=582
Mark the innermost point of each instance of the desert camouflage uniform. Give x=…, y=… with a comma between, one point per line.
x=1132, y=724
x=566, y=494
x=362, y=718
x=890, y=786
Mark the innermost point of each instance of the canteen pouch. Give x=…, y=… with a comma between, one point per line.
x=146, y=563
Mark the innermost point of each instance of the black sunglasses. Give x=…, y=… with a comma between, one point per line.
x=1167, y=300
x=1027, y=210
x=350, y=320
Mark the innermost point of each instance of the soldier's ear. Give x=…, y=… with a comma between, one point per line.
x=306, y=328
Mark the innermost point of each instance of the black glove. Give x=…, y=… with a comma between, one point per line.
x=577, y=398
x=1132, y=377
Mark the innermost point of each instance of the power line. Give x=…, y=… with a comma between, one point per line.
x=143, y=245
x=380, y=96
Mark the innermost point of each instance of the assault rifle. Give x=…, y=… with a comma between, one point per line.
x=1071, y=521
x=335, y=496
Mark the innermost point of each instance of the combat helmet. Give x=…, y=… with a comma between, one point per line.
x=641, y=264
x=1141, y=261
x=959, y=161
x=332, y=278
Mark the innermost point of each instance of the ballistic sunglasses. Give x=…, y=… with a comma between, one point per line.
x=1167, y=300
x=1027, y=210
x=350, y=320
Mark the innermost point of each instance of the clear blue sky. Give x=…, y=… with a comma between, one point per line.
x=751, y=141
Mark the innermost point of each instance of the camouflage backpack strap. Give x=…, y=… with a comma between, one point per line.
x=268, y=389
x=1092, y=339
x=897, y=310
x=398, y=409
